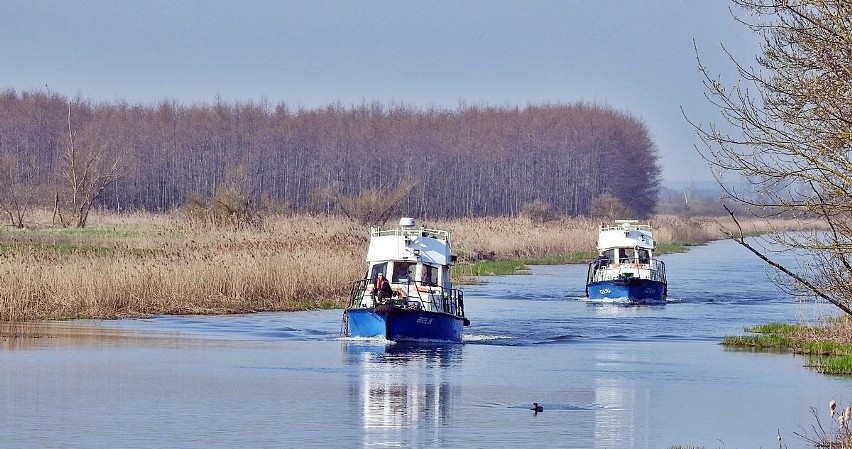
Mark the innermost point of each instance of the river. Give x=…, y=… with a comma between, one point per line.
x=608, y=376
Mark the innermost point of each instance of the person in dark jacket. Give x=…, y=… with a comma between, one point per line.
x=382, y=289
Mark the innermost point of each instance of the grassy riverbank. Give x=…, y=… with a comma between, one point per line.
x=829, y=346
x=142, y=264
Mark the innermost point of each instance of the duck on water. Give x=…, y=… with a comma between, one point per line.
x=406, y=294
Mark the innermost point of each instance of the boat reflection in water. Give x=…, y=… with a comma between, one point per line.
x=404, y=392
x=623, y=413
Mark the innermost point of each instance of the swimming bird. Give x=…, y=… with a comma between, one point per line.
x=536, y=408
x=832, y=405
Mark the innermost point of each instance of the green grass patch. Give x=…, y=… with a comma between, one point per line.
x=491, y=268
x=517, y=266
x=59, y=248
x=108, y=233
x=96, y=241
x=828, y=357
x=834, y=365
x=775, y=341
x=826, y=348
x=327, y=304
x=674, y=247
x=65, y=316
x=559, y=259
x=777, y=328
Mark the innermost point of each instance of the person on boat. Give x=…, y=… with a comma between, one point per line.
x=382, y=288
x=402, y=272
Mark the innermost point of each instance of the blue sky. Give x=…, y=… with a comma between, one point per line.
x=635, y=56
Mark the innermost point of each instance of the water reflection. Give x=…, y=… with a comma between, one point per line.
x=404, y=392
x=40, y=334
x=622, y=417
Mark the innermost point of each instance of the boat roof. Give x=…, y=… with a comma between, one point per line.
x=625, y=234
x=408, y=242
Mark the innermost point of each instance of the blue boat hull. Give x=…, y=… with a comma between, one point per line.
x=638, y=291
x=398, y=324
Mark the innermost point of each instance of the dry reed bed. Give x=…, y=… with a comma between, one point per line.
x=293, y=263
x=506, y=238
x=155, y=264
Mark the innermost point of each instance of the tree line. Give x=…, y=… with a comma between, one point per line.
x=467, y=161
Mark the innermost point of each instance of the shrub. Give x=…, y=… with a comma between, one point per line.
x=538, y=212
x=609, y=207
x=227, y=209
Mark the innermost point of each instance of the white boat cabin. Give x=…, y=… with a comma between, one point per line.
x=416, y=261
x=626, y=249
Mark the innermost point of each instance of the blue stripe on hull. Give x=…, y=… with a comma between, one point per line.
x=636, y=290
x=365, y=323
x=405, y=325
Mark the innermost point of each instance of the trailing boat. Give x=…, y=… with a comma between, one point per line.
x=625, y=269
x=407, y=294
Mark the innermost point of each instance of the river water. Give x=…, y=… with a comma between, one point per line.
x=608, y=376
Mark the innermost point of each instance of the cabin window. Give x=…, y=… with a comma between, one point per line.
x=378, y=268
x=427, y=274
x=403, y=271
x=644, y=257
x=444, y=279
x=609, y=255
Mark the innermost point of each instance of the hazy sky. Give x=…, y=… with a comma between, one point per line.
x=635, y=56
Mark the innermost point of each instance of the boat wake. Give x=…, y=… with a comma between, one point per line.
x=486, y=338
x=624, y=301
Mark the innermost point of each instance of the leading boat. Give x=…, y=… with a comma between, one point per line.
x=625, y=269
x=420, y=303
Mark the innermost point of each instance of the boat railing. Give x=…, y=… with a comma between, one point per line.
x=432, y=296
x=426, y=295
x=655, y=269
x=439, y=234
x=357, y=291
x=625, y=227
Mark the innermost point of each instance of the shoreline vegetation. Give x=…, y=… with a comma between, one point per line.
x=827, y=345
x=135, y=265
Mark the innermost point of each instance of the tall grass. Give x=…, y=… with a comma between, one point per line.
x=566, y=238
x=292, y=263
x=141, y=264
x=829, y=345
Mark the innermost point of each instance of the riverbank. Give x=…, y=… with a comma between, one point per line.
x=144, y=264
x=828, y=345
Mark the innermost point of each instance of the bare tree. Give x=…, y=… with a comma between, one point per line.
x=15, y=197
x=374, y=206
x=609, y=207
x=786, y=132
x=86, y=173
